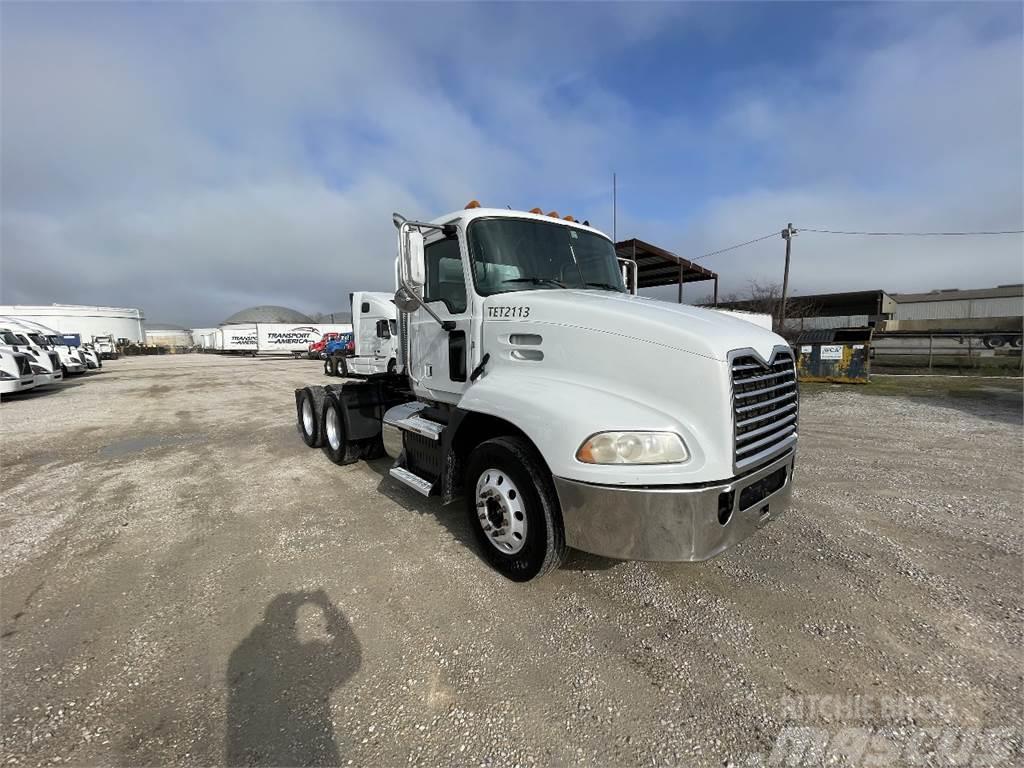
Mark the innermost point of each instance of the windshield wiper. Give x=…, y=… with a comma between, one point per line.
x=605, y=286
x=536, y=281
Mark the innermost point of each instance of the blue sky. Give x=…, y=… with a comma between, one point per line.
x=196, y=159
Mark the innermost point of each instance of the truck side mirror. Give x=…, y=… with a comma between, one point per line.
x=405, y=302
x=416, y=260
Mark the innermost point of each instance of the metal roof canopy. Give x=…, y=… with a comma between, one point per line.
x=656, y=266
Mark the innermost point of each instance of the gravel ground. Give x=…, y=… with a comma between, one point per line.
x=184, y=582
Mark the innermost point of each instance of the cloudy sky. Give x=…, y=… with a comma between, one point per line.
x=195, y=159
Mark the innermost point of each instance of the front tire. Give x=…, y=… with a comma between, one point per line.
x=513, y=509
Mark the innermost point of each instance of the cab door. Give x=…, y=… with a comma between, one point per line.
x=440, y=359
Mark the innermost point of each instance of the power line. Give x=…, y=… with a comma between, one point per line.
x=738, y=245
x=912, y=234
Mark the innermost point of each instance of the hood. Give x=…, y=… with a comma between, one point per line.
x=699, y=331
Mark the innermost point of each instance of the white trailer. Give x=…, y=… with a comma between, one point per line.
x=293, y=339
x=505, y=396
x=237, y=339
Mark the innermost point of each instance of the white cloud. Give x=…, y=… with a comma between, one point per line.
x=197, y=159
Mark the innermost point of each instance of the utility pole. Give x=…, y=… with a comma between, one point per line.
x=787, y=234
x=615, y=234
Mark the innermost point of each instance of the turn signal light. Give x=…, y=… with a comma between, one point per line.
x=472, y=204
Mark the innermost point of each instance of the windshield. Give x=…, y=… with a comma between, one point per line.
x=38, y=339
x=524, y=254
x=10, y=338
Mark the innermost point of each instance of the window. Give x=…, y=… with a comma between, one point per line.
x=383, y=329
x=525, y=254
x=365, y=307
x=445, y=281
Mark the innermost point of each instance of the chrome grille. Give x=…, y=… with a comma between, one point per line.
x=765, y=406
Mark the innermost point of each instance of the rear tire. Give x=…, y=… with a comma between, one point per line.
x=327, y=367
x=342, y=367
x=335, y=437
x=309, y=405
x=530, y=507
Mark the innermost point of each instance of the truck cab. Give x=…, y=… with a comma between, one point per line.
x=375, y=333
x=15, y=372
x=105, y=347
x=44, y=364
x=562, y=409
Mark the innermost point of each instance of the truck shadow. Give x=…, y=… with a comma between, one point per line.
x=453, y=518
x=280, y=684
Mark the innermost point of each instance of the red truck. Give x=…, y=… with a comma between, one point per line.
x=317, y=348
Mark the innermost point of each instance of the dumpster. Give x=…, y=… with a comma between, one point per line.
x=840, y=355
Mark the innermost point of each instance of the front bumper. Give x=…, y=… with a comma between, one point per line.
x=9, y=386
x=673, y=523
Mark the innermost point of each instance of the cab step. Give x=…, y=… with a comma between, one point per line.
x=412, y=480
x=406, y=417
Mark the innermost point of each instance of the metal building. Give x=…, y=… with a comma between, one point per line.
x=88, y=322
x=955, y=304
x=168, y=335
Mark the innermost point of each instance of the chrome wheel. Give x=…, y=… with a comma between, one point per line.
x=307, y=416
x=333, y=428
x=499, y=508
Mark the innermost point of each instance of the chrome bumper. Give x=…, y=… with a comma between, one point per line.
x=673, y=523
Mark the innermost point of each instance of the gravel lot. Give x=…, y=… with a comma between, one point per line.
x=184, y=582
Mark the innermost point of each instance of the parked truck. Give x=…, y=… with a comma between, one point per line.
x=565, y=411
x=44, y=363
x=106, y=347
x=15, y=372
x=72, y=361
x=374, y=347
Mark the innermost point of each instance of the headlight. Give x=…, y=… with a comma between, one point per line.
x=633, y=448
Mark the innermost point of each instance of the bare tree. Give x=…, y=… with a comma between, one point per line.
x=766, y=298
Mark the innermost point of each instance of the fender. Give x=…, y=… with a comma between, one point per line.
x=558, y=414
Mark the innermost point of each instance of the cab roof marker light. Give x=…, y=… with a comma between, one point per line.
x=472, y=204
x=537, y=211
x=570, y=218
x=554, y=214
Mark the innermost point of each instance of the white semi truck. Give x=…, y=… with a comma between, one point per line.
x=564, y=410
x=375, y=333
x=46, y=339
x=44, y=363
x=15, y=372
x=106, y=347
